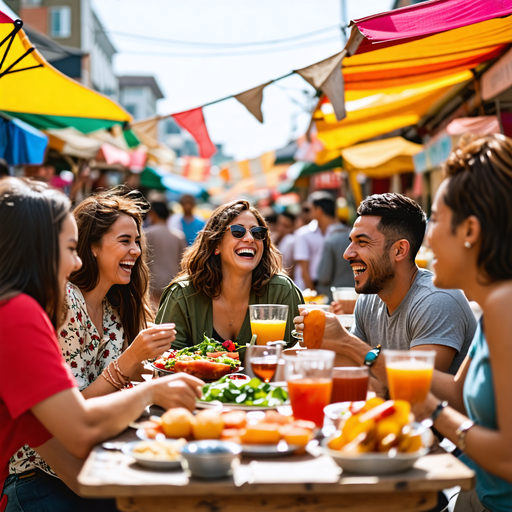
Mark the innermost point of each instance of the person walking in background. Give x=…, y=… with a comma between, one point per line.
x=166, y=245
x=187, y=222
x=286, y=243
x=310, y=239
x=334, y=269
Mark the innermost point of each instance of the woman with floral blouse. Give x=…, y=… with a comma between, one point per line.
x=106, y=336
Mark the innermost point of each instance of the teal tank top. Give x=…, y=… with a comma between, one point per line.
x=493, y=492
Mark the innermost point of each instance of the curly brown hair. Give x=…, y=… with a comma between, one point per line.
x=94, y=217
x=480, y=184
x=202, y=267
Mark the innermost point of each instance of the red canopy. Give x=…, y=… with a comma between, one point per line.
x=421, y=20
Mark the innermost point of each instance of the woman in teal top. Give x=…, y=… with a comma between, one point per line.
x=470, y=233
x=232, y=263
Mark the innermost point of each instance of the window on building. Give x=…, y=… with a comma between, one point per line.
x=60, y=21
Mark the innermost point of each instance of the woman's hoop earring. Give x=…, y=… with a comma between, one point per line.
x=467, y=245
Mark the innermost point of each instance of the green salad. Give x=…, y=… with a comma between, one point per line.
x=254, y=392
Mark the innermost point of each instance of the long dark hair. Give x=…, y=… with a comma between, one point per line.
x=480, y=184
x=31, y=216
x=202, y=266
x=95, y=216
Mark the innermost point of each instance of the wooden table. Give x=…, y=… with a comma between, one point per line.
x=301, y=483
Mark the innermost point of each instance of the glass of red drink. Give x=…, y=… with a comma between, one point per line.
x=309, y=378
x=349, y=383
x=263, y=360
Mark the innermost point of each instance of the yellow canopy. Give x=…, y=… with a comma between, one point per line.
x=46, y=98
x=376, y=113
x=373, y=155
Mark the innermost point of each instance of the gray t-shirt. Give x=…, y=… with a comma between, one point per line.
x=426, y=316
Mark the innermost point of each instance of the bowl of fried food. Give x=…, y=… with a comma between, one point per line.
x=156, y=454
x=378, y=439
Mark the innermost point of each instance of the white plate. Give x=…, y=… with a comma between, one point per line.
x=150, y=463
x=377, y=463
x=269, y=450
x=239, y=407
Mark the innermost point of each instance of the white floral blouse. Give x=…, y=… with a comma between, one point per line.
x=85, y=351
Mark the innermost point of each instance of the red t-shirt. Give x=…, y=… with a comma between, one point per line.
x=32, y=369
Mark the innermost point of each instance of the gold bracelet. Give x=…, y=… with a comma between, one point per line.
x=117, y=385
x=102, y=374
x=120, y=373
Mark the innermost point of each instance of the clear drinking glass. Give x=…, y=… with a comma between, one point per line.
x=263, y=360
x=349, y=383
x=268, y=322
x=409, y=374
x=347, y=297
x=309, y=378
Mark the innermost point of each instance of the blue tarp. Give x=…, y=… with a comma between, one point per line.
x=172, y=183
x=20, y=143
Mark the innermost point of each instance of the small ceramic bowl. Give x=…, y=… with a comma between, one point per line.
x=210, y=458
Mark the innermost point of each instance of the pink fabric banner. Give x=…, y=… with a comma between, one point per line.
x=424, y=19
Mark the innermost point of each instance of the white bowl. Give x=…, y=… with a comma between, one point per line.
x=151, y=463
x=378, y=463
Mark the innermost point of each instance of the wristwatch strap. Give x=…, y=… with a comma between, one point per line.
x=438, y=410
x=372, y=355
x=462, y=431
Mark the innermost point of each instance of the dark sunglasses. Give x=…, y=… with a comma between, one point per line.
x=258, y=233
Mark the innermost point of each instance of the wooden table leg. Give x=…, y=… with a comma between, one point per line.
x=378, y=502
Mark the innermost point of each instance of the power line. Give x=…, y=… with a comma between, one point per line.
x=219, y=45
x=316, y=42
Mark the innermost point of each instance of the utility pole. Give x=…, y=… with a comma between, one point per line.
x=344, y=21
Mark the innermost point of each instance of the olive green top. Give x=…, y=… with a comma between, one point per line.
x=192, y=311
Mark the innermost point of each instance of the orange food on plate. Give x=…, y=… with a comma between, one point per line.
x=231, y=434
x=177, y=423
x=234, y=419
x=296, y=435
x=207, y=425
x=275, y=417
x=314, y=327
x=261, y=433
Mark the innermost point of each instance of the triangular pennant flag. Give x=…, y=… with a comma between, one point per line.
x=193, y=122
x=334, y=88
x=252, y=99
x=327, y=74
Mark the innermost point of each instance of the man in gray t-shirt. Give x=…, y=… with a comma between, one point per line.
x=425, y=316
x=398, y=306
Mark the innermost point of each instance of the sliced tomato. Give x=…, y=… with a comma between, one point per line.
x=159, y=364
x=232, y=355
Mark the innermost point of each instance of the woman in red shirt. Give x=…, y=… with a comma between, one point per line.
x=39, y=402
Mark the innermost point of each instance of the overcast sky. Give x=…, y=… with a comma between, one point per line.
x=192, y=75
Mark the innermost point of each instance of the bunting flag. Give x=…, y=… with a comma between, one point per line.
x=252, y=100
x=193, y=122
x=147, y=131
x=194, y=168
x=256, y=168
x=326, y=75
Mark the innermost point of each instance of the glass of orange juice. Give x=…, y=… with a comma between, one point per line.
x=409, y=374
x=309, y=378
x=268, y=322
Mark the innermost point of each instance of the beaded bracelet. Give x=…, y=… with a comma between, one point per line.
x=120, y=373
x=114, y=382
x=103, y=374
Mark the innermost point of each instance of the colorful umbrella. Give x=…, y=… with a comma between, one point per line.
x=34, y=91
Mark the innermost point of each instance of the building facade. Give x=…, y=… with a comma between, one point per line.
x=138, y=95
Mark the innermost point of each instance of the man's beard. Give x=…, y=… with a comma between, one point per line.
x=379, y=277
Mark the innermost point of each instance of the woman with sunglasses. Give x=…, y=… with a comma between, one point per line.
x=232, y=263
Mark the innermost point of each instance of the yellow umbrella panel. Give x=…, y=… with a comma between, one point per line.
x=32, y=90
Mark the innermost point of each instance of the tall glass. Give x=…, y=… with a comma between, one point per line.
x=347, y=297
x=268, y=322
x=263, y=360
x=409, y=374
x=349, y=383
x=309, y=378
